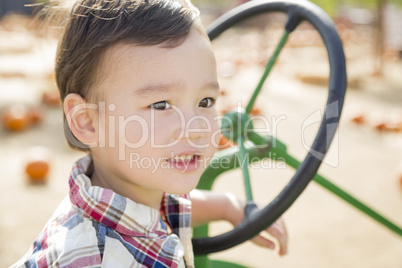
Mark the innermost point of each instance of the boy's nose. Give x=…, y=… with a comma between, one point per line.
x=194, y=127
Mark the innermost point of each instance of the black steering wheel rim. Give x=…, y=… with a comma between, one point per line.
x=297, y=10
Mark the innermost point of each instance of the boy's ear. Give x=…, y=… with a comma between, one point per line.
x=82, y=119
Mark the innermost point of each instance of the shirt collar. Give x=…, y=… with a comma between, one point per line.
x=111, y=209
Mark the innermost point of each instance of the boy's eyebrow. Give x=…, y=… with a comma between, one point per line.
x=213, y=85
x=153, y=89
x=157, y=88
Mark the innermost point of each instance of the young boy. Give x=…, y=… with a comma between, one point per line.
x=138, y=83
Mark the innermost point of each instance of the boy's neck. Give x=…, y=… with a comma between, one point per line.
x=147, y=197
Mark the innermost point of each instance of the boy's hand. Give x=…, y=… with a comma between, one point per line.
x=277, y=231
x=211, y=206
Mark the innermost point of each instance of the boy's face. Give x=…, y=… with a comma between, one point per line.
x=158, y=126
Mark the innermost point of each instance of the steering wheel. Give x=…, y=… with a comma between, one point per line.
x=257, y=220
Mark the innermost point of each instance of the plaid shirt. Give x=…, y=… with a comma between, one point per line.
x=96, y=227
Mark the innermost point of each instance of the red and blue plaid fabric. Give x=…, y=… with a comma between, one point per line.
x=96, y=227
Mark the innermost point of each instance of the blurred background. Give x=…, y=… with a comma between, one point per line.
x=365, y=159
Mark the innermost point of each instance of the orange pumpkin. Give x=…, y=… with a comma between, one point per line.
x=37, y=171
x=380, y=126
x=51, y=97
x=255, y=111
x=35, y=115
x=225, y=143
x=16, y=118
x=37, y=164
x=358, y=119
x=399, y=126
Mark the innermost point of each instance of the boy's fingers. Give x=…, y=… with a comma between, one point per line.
x=278, y=230
x=263, y=242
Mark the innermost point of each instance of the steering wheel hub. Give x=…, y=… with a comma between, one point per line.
x=236, y=124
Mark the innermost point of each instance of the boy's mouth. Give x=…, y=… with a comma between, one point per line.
x=186, y=162
x=184, y=159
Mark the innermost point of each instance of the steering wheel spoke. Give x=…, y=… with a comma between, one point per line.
x=267, y=71
x=246, y=175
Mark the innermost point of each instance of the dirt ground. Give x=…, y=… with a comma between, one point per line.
x=324, y=231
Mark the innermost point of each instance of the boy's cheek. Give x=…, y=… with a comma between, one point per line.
x=123, y=131
x=216, y=139
x=215, y=135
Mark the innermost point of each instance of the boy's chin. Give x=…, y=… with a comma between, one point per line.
x=182, y=189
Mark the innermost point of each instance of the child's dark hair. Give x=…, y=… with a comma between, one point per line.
x=92, y=26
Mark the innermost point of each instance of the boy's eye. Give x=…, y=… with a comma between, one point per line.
x=207, y=102
x=160, y=105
